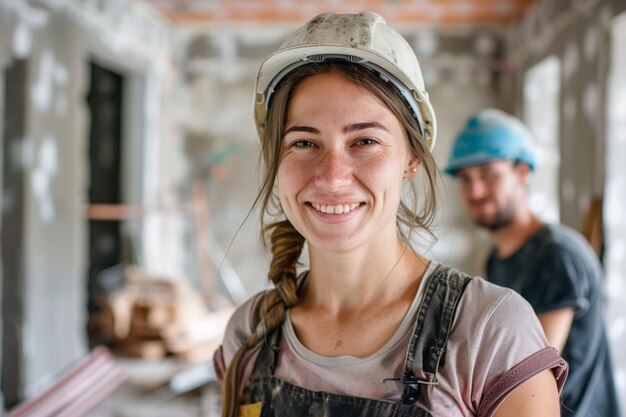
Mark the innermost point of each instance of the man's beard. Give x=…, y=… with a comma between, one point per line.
x=500, y=220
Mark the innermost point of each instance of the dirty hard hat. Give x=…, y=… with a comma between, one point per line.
x=491, y=135
x=363, y=38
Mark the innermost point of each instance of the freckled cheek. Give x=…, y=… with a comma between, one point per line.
x=371, y=179
x=291, y=178
x=379, y=175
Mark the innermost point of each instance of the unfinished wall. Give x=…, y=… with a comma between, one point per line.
x=219, y=66
x=60, y=39
x=615, y=197
x=578, y=34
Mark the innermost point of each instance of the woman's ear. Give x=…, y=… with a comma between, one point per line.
x=412, y=168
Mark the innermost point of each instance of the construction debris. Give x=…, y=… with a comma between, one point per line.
x=151, y=317
x=78, y=390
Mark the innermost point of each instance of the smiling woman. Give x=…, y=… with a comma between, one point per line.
x=343, y=159
x=373, y=328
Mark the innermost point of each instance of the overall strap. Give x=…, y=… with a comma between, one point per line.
x=435, y=316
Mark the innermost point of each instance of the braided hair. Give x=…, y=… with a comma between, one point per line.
x=287, y=246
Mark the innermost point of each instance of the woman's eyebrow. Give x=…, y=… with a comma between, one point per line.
x=347, y=129
x=306, y=129
x=364, y=125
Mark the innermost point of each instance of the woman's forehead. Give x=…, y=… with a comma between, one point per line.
x=332, y=92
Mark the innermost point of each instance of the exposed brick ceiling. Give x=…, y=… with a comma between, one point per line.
x=435, y=12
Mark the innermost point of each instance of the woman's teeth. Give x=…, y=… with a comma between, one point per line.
x=335, y=209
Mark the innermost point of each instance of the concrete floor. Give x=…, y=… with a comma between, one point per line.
x=146, y=393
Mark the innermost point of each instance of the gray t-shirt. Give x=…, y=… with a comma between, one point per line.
x=565, y=272
x=494, y=331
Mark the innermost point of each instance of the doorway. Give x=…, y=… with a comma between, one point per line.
x=105, y=102
x=13, y=208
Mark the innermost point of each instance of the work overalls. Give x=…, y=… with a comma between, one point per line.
x=268, y=396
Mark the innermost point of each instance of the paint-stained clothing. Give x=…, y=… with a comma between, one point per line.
x=554, y=269
x=494, y=342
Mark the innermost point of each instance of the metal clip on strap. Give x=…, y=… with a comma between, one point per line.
x=411, y=390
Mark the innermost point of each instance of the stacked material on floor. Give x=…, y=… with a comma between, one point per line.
x=151, y=317
x=78, y=390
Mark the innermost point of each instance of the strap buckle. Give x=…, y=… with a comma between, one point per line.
x=411, y=390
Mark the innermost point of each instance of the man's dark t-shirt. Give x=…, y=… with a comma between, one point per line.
x=557, y=268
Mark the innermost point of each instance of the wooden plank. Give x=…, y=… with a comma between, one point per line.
x=98, y=368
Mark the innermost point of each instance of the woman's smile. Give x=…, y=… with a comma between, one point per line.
x=335, y=208
x=335, y=213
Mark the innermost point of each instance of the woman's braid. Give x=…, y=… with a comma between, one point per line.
x=286, y=247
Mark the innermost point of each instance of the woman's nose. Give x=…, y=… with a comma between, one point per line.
x=334, y=171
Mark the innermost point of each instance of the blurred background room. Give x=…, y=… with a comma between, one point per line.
x=128, y=166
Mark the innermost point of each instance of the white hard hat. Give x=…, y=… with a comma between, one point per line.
x=363, y=38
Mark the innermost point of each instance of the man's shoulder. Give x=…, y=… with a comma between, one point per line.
x=563, y=233
x=566, y=257
x=562, y=240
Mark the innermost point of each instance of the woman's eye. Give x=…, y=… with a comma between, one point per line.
x=302, y=144
x=366, y=142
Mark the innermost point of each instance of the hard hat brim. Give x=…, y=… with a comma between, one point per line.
x=276, y=63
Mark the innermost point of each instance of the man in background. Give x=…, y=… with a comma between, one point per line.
x=552, y=266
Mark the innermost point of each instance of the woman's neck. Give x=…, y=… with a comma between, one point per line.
x=352, y=303
x=344, y=281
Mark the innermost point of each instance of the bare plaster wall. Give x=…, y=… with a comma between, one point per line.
x=615, y=197
x=5, y=30
x=220, y=73
x=56, y=174
x=59, y=46
x=461, y=243
x=578, y=33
